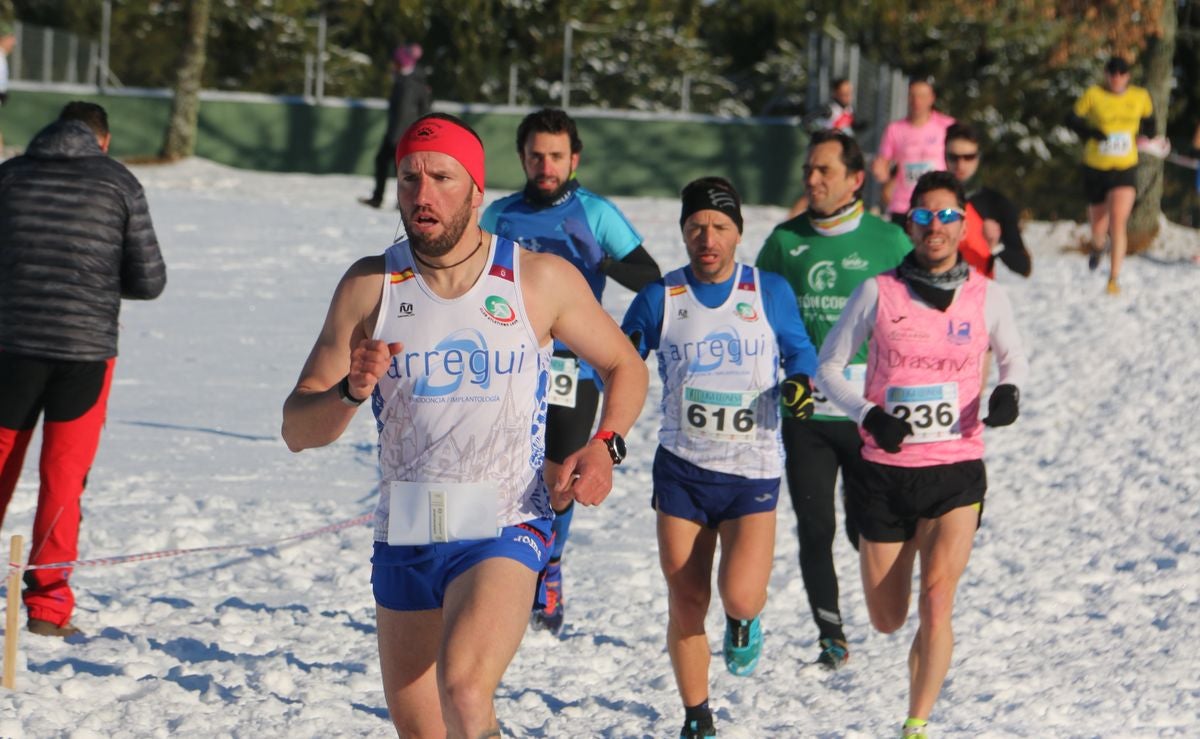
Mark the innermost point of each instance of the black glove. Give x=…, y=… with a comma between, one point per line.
x=797, y=396
x=1002, y=406
x=1095, y=133
x=888, y=430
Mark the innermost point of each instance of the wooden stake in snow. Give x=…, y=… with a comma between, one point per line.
x=13, y=613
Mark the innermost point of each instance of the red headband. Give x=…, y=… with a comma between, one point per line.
x=446, y=137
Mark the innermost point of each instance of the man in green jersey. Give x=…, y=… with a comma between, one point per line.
x=824, y=253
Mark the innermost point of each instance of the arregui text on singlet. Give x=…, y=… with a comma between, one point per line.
x=465, y=400
x=924, y=365
x=719, y=370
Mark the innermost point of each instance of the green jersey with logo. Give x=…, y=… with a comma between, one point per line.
x=823, y=270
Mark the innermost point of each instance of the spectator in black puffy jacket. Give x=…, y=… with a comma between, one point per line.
x=75, y=238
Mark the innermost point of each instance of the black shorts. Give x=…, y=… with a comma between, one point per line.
x=64, y=389
x=1097, y=182
x=888, y=500
x=568, y=429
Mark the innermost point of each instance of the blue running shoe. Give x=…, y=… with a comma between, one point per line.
x=701, y=728
x=550, y=618
x=743, y=645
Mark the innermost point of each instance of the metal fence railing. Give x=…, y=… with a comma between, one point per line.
x=880, y=90
x=52, y=55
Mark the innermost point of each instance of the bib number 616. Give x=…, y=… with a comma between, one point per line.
x=741, y=420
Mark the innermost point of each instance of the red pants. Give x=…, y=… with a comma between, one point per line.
x=74, y=398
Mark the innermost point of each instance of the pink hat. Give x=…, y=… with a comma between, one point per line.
x=406, y=55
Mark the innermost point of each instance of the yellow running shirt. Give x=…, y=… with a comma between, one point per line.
x=1119, y=118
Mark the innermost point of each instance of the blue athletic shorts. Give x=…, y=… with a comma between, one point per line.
x=684, y=490
x=415, y=578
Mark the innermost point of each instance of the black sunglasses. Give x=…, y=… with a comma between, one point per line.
x=963, y=157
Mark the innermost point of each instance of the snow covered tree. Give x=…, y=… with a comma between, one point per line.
x=1156, y=63
x=180, y=138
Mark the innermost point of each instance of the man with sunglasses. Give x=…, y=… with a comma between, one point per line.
x=993, y=222
x=928, y=325
x=824, y=254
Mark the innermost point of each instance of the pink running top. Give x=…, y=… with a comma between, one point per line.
x=925, y=366
x=914, y=150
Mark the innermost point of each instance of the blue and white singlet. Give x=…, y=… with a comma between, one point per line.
x=465, y=400
x=720, y=373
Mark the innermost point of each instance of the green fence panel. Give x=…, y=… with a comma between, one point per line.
x=631, y=156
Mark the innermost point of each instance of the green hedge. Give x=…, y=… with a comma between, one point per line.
x=622, y=156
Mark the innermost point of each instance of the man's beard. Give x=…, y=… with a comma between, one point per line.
x=540, y=197
x=452, y=231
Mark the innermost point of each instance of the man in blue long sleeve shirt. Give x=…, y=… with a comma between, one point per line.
x=555, y=214
x=723, y=332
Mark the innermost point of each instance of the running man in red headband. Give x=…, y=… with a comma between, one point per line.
x=449, y=333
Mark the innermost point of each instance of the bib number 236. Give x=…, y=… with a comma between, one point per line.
x=931, y=409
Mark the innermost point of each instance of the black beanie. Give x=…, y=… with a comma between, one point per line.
x=711, y=193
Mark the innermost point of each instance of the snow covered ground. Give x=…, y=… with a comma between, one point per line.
x=1078, y=615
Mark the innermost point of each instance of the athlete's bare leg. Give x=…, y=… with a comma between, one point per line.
x=685, y=553
x=887, y=569
x=1119, y=203
x=747, y=551
x=1098, y=220
x=485, y=614
x=408, y=646
x=473, y=638
x=945, y=544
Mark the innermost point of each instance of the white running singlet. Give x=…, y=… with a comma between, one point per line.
x=465, y=400
x=719, y=369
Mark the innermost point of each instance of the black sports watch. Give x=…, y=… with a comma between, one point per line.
x=615, y=444
x=345, y=396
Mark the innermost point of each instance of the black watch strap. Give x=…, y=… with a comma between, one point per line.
x=345, y=396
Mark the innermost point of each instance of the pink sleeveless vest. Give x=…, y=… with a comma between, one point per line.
x=926, y=367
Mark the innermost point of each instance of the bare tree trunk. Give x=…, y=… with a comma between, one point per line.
x=1157, y=61
x=180, y=138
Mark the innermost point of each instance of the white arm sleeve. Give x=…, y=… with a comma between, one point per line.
x=1004, y=338
x=848, y=334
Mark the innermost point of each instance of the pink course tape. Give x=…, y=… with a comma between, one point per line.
x=124, y=558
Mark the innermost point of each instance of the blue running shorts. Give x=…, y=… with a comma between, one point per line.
x=685, y=490
x=415, y=578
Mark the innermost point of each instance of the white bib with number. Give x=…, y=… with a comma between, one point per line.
x=720, y=415
x=914, y=170
x=931, y=409
x=431, y=512
x=1116, y=144
x=564, y=380
x=823, y=406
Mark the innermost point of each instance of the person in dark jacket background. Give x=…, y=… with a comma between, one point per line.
x=75, y=238
x=410, y=99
